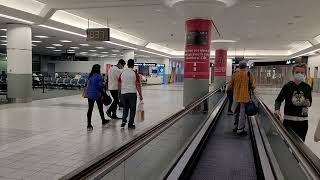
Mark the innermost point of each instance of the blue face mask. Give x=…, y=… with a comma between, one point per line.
x=299, y=77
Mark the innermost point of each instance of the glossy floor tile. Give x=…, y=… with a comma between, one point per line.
x=47, y=139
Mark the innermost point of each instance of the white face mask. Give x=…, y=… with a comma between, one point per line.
x=299, y=77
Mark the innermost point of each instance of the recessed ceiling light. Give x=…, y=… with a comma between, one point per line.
x=84, y=45
x=4, y=36
x=42, y=37
x=58, y=45
x=105, y=52
x=3, y=29
x=50, y=47
x=34, y=45
x=257, y=6
x=114, y=54
x=93, y=50
x=74, y=48
x=99, y=47
x=4, y=41
x=83, y=52
x=3, y=44
x=36, y=41
x=115, y=50
x=71, y=50
x=65, y=41
x=223, y=41
x=57, y=50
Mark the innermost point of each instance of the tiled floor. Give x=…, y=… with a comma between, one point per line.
x=47, y=139
x=269, y=96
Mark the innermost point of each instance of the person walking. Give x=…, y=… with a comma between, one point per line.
x=113, y=81
x=95, y=86
x=240, y=86
x=298, y=98
x=129, y=85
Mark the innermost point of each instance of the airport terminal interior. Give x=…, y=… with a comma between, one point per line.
x=229, y=89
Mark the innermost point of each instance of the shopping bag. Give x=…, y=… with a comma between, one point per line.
x=140, y=112
x=317, y=133
x=85, y=93
x=105, y=98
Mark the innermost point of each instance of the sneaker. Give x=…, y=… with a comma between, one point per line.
x=104, y=122
x=131, y=127
x=89, y=127
x=123, y=125
x=109, y=114
x=242, y=133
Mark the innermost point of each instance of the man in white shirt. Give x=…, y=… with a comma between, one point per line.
x=113, y=79
x=129, y=84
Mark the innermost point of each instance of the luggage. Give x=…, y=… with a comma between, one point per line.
x=140, y=112
x=317, y=133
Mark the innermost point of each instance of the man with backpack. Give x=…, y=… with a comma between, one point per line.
x=242, y=83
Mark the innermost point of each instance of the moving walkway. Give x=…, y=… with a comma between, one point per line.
x=198, y=143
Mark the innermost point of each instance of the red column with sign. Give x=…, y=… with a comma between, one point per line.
x=220, y=63
x=197, y=50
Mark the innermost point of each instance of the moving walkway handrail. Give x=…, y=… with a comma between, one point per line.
x=309, y=161
x=108, y=161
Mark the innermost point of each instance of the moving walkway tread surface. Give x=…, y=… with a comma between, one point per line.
x=226, y=155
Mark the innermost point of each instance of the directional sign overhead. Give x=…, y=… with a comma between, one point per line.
x=98, y=34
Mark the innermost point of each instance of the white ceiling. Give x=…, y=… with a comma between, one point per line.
x=264, y=27
x=258, y=26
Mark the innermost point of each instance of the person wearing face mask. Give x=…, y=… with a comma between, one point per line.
x=298, y=98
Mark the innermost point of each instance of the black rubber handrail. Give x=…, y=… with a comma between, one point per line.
x=113, y=158
x=293, y=141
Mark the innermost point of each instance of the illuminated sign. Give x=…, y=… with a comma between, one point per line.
x=98, y=34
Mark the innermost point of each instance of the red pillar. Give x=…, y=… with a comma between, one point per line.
x=220, y=63
x=220, y=68
x=197, y=50
x=197, y=59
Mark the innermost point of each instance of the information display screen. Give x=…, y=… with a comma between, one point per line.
x=98, y=34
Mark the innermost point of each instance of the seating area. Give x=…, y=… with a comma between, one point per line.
x=63, y=83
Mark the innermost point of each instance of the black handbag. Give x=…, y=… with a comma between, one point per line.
x=251, y=108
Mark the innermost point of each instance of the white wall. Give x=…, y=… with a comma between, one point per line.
x=85, y=66
x=314, y=61
x=76, y=66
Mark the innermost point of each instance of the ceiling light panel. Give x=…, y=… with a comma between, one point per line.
x=77, y=21
x=16, y=19
x=3, y=29
x=57, y=45
x=42, y=37
x=4, y=36
x=31, y=6
x=299, y=46
x=57, y=50
x=115, y=50
x=74, y=48
x=105, y=52
x=99, y=47
x=93, y=50
x=62, y=30
x=65, y=41
x=85, y=45
x=50, y=47
x=37, y=41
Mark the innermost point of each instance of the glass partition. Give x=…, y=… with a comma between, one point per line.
x=155, y=159
x=288, y=164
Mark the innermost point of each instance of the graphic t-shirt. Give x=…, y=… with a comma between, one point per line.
x=295, y=97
